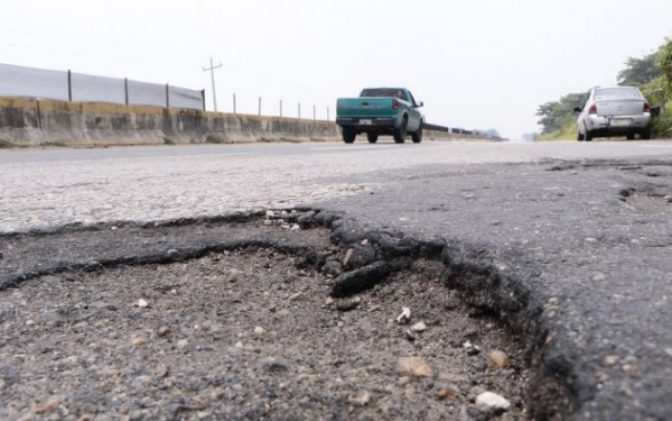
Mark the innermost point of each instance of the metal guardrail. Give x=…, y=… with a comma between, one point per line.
x=445, y=129
x=434, y=127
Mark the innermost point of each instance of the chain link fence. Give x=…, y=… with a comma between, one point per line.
x=20, y=81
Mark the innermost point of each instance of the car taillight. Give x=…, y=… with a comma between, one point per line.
x=593, y=109
x=647, y=107
x=395, y=104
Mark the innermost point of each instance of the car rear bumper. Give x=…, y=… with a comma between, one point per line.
x=367, y=123
x=615, y=132
x=618, y=124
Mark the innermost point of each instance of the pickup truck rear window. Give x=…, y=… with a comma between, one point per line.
x=386, y=93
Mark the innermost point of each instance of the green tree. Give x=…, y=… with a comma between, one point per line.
x=553, y=116
x=665, y=63
x=639, y=71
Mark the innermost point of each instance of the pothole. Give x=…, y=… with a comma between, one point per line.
x=252, y=333
x=647, y=199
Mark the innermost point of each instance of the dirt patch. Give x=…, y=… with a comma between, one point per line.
x=247, y=334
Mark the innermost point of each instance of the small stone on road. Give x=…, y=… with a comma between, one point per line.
x=362, y=399
x=489, y=401
x=500, y=359
x=419, y=327
x=405, y=316
x=413, y=367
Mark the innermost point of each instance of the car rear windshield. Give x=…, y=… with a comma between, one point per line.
x=386, y=93
x=617, y=93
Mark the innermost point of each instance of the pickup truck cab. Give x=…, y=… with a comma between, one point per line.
x=380, y=111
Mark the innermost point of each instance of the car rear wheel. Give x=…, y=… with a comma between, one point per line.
x=349, y=135
x=646, y=135
x=373, y=137
x=580, y=137
x=589, y=136
x=631, y=136
x=400, y=133
x=417, y=136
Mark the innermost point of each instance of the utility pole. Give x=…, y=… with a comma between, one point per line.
x=69, y=85
x=212, y=69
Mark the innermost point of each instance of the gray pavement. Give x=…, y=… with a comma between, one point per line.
x=581, y=229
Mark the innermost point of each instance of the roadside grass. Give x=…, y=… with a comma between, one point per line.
x=5, y=144
x=218, y=140
x=168, y=141
x=662, y=125
x=566, y=132
x=55, y=143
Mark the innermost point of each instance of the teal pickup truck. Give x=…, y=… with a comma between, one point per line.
x=380, y=111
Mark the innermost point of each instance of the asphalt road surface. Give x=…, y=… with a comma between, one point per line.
x=57, y=186
x=570, y=240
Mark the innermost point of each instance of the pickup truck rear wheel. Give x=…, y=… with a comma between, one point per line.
x=349, y=135
x=417, y=136
x=400, y=133
x=373, y=137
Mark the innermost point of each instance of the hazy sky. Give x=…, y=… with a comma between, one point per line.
x=476, y=64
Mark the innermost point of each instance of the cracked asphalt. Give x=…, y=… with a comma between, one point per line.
x=591, y=241
x=582, y=230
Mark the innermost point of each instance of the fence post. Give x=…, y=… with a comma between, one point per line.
x=69, y=85
x=314, y=113
x=203, y=98
x=259, y=106
x=126, y=90
x=235, y=111
x=299, y=111
x=280, y=108
x=167, y=95
x=328, y=117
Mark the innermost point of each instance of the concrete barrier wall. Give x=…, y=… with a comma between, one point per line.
x=26, y=122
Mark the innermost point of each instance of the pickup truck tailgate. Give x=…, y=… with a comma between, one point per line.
x=365, y=107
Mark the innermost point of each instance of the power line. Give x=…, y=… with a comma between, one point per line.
x=212, y=69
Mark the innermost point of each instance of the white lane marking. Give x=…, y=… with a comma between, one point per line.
x=350, y=148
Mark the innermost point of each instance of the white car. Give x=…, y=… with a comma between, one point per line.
x=614, y=111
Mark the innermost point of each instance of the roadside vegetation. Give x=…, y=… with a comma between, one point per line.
x=652, y=74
